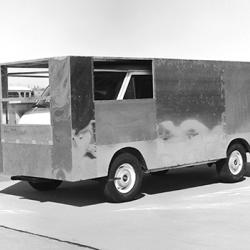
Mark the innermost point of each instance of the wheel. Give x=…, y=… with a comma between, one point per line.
x=124, y=179
x=233, y=168
x=159, y=173
x=45, y=185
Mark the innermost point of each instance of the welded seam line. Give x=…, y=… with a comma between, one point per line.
x=50, y=238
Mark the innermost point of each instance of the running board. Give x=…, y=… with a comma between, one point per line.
x=180, y=166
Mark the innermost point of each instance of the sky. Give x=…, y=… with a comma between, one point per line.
x=187, y=29
x=199, y=29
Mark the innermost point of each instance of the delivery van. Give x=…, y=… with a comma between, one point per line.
x=115, y=119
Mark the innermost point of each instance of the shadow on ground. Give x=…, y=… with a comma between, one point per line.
x=86, y=193
x=83, y=193
x=180, y=179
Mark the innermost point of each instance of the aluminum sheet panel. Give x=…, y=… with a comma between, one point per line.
x=237, y=88
x=60, y=107
x=125, y=121
x=122, y=124
x=27, y=159
x=82, y=106
x=190, y=109
x=83, y=120
x=27, y=134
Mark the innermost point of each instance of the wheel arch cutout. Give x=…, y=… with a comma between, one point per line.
x=241, y=141
x=133, y=151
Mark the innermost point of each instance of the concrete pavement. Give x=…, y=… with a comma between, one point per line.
x=184, y=209
x=16, y=240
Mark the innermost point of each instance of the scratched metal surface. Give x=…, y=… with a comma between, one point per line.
x=190, y=107
x=84, y=165
x=60, y=108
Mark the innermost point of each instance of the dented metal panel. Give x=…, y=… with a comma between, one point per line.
x=190, y=108
x=60, y=108
x=83, y=123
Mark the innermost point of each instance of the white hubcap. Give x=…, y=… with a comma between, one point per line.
x=125, y=178
x=235, y=162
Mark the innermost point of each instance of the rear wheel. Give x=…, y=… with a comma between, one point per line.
x=45, y=185
x=233, y=168
x=125, y=178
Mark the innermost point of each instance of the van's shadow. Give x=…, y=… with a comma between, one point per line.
x=179, y=179
x=82, y=193
x=86, y=193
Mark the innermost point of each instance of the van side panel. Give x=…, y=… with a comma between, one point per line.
x=126, y=123
x=83, y=123
x=237, y=89
x=190, y=107
x=60, y=108
x=27, y=159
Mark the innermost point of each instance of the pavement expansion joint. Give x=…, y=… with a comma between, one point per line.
x=49, y=237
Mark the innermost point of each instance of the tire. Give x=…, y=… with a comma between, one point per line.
x=233, y=168
x=128, y=169
x=45, y=185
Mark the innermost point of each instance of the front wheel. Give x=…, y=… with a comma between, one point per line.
x=233, y=168
x=45, y=185
x=124, y=179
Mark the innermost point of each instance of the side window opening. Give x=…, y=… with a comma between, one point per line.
x=120, y=79
x=17, y=95
x=140, y=87
x=107, y=84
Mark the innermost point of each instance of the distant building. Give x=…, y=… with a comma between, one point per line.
x=20, y=92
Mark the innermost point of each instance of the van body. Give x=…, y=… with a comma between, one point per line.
x=158, y=114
